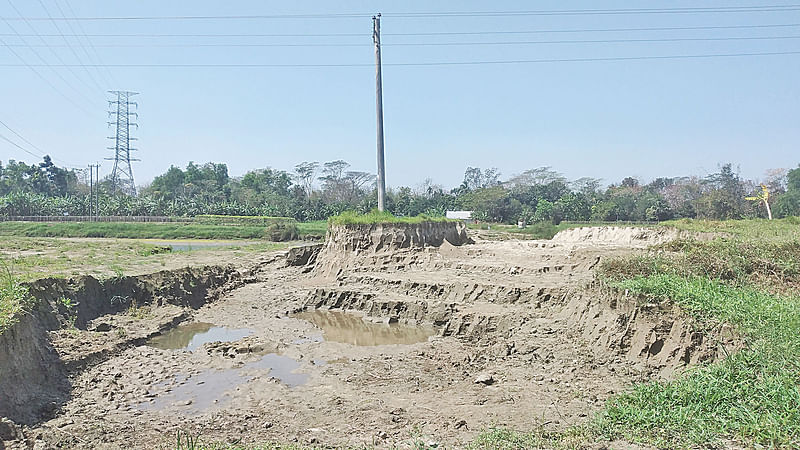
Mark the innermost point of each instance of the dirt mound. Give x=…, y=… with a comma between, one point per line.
x=622, y=236
x=349, y=245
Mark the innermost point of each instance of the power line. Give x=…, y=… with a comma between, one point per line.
x=58, y=57
x=80, y=44
x=432, y=33
x=66, y=164
x=443, y=63
x=23, y=139
x=48, y=82
x=74, y=53
x=89, y=41
x=623, y=11
x=595, y=30
x=426, y=44
x=19, y=146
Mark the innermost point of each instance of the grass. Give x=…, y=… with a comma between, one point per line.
x=539, y=230
x=503, y=438
x=215, y=219
x=748, y=278
x=14, y=299
x=751, y=396
x=131, y=230
x=787, y=229
x=376, y=217
x=34, y=258
x=317, y=228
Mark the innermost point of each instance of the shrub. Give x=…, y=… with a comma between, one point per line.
x=281, y=232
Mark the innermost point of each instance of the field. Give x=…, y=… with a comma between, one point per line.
x=685, y=334
x=144, y=230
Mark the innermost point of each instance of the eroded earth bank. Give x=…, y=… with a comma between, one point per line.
x=384, y=335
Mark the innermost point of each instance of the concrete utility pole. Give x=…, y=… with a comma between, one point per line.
x=94, y=191
x=97, y=191
x=376, y=37
x=91, y=191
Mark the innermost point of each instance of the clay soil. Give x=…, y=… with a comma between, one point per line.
x=521, y=338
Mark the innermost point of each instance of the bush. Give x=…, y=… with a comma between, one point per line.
x=218, y=219
x=281, y=232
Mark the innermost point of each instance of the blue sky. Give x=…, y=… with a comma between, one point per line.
x=605, y=119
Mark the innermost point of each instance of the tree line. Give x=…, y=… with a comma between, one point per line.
x=314, y=191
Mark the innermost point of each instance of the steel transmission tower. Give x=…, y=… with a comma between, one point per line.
x=122, y=173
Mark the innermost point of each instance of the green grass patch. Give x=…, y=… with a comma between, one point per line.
x=255, y=221
x=376, y=217
x=317, y=228
x=773, y=265
x=126, y=230
x=538, y=230
x=14, y=299
x=506, y=439
x=787, y=229
x=752, y=396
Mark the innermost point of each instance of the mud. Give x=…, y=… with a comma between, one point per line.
x=380, y=342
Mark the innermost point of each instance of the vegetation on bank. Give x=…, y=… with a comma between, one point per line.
x=784, y=229
x=255, y=221
x=14, y=299
x=748, y=278
x=752, y=396
x=377, y=217
x=278, y=232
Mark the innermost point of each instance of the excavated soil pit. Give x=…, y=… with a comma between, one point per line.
x=380, y=337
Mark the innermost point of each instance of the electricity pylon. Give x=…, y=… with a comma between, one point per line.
x=122, y=173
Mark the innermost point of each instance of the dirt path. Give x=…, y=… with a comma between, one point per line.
x=517, y=339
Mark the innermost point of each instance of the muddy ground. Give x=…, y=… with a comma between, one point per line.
x=380, y=346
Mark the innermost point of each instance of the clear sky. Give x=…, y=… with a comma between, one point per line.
x=605, y=119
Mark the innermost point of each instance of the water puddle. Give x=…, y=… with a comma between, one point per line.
x=196, y=393
x=280, y=367
x=193, y=335
x=348, y=328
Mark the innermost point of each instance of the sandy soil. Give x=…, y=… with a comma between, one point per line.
x=519, y=338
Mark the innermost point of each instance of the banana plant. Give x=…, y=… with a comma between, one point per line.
x=763, y=197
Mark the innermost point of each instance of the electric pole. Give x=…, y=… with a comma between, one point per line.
x=122, y=174
x=91, y=191
x=97, y=191
x=376, y=37
x=94, y=191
